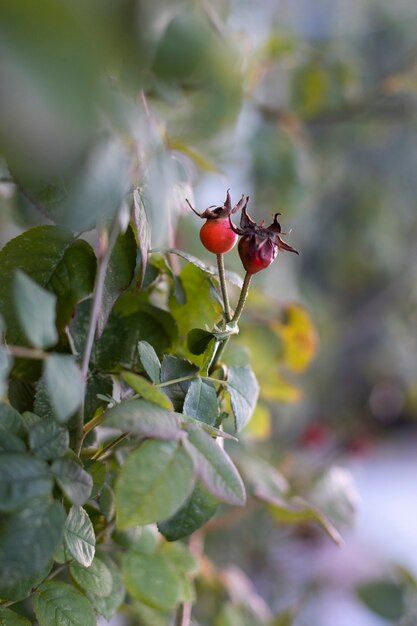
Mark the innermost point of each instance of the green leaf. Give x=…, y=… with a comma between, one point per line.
x=64, y=384
x=199, y=508
x=202, y=306
x=74, y=481
x=215, y=468
x=107, y=606
x=64, y=266
x=98, y=472
x=23, y=588
x=268, y=484
x=95, y=579
x=118, y=345
x=79, y=536
x=244, y=390
x=232, y=277
x=119, y=273
x=11, y=420
x=153, y=483
x=384, y=598
x=152, y=579
x=28, y=539
x=22, y=477
x=143, y=234
x=48, y=440
x=198, y=340
x=145, y=419
x=6, y=363
x=59, y=604
x=10, y=618
x=173, y=368
x=35, y=309
x=149, y=616
x=147, y=390
x=107, y=502
x=297, y=510
x=210, y=430
x=11, y=443
x=149, y=360
x=201, y=402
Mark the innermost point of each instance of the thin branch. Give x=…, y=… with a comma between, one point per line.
x=106, y=245
x=20, y=352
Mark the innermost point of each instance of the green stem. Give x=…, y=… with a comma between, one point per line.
x=222, y=276
x=109, y=446
x=167, y=383
x=243, y=297
x=236, y=317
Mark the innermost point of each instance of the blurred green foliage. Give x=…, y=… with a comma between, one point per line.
x=310, y=110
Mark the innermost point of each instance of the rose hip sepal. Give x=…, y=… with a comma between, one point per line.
x=216, y=234
x=259, y=244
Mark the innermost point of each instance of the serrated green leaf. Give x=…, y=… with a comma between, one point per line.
x=10, y=618
x=215, y=468
x=36, y=311
x=145, y=419
x=11, y=420
x=143, y=233
x=107, y=607
x=59, y=604
x=244, y=390
x=64, y=385
x=79, y=537
x=173, y=368
x=201, y=402
x=147, y=390
x=149, y=360
x=152, y=579
x=117, y=348
x=23, y=588
x=198, y=340
x=75, y=482
x=28, y=539
x=22, y=477
x=96, y=579
x=64, y=266
x=153, y=483
x=202, y=308
x=119, y=273
x=48, y=440
x=199, y=508
x=10, y=443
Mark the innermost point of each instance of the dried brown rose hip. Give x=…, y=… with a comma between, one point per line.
x=259, y=244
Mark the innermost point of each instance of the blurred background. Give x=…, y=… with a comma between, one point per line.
x=309, y=108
